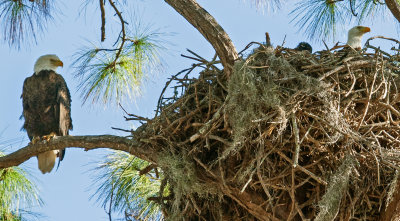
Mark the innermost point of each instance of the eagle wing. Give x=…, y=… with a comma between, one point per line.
x=46, y=106
x=63, y=110
x=26, y=104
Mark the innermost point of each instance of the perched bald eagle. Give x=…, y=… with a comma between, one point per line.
x=354, y=36
x=46, y=107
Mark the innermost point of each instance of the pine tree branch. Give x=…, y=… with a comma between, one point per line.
x=123, y=37
x=394, y=7
x=209, y=28
x=131, y=146
x=103, y=21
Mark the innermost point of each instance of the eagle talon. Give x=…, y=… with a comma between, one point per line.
x=49, y=137
x=35, y=140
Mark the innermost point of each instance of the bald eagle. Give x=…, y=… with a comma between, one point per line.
x=46, y=107
x=353, y=44
x=354, y=36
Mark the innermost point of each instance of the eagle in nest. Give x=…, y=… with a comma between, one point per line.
x=354, y=36
x=46, y=108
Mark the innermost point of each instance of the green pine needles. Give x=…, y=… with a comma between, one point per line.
x=121, y=189
x=111, y=74
x=16, y=193
x=23, y=19
x=319, y=18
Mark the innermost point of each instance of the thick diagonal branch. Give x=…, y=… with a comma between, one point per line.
x=394, y=7
x=209, y=28
x=131, y=146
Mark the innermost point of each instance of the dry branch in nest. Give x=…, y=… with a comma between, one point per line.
x=289, y=136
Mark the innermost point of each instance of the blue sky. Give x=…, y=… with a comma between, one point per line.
x=66, y=192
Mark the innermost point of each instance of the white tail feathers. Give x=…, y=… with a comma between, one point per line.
x=47, y=160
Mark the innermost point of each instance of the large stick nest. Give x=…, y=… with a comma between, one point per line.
x=288, y=136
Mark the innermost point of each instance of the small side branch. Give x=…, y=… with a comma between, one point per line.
x=342, y=67
x=312, y=175
x=352, y=9
x=123, y=37
x=103, y=21
x=297, y=141
x=204, y=129
x=134, y=116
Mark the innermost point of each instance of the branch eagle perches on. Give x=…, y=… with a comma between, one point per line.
x=128, y=145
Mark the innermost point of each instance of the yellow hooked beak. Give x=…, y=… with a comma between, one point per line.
x=365, y=29
x=57, y=63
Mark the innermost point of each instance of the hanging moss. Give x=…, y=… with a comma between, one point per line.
x=287, y=136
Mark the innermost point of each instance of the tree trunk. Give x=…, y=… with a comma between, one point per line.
x=394, y=7
x=209, y=28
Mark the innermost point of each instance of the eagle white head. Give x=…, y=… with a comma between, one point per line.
x=355, y=35
x=47, y=62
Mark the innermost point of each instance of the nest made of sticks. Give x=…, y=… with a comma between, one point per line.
x=288, y=136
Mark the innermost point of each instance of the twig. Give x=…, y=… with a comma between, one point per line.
x=249, y=45
x=103, y=21
x=204, y=129
x=267, y=39
x=341, y=67
x=352, y=9
x=123, y=38
x=326, y=47
x=382, y=37
x=135, y=117
x=296, y=140
x=205, y=167
x=174, y=77
x=292, y=195
x=368, y=45
x=353, y=78
x=109, y=212
x=196, y=59
x=220, y=139
x=147, y=169
x=195, y=54
x=369, y=95
x=115, y=128
x=316, y=178
x=284, y=41
x=391, y=108
x=248, y=182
